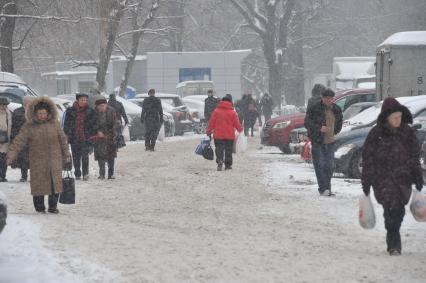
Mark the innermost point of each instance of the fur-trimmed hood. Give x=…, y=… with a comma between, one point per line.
x=30, y=113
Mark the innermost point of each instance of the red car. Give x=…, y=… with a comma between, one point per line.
x=276, y=132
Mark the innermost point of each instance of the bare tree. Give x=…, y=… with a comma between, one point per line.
x=272, y=25
x=111, y=12
x=139, y=31
x=7, y=28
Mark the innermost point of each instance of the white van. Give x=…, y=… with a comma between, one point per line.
x=193, y=88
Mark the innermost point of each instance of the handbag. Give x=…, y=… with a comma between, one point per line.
x=208, y=152
x=68, y=189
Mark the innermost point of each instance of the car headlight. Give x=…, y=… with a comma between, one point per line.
x=343, y=150
x=281, y=125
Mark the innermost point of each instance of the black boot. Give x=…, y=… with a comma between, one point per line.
x=394, y=243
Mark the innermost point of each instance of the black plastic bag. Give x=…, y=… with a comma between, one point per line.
x=68, y=189
x=208, y=152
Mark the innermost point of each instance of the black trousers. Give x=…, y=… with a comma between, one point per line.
x=223, y=150
x=393, y=214
x=52, y=200
x=110, y=167
x=3, y=166
x=24, y=173
x=151, y=133
x=80, y=158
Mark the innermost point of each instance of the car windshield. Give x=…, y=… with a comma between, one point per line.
x=174, y=101
x=351, y=111
x=367, y=116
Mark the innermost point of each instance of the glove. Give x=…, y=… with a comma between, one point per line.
x=366, y=190
x=419, y=187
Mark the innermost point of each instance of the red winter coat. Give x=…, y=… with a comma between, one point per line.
x=224, y=121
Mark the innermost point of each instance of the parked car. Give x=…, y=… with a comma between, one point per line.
x=356, y=108
x=196, y=109
x=276, y=132
x=180, y=112
x=14, y=88
x=137, y=129
x=349, y=144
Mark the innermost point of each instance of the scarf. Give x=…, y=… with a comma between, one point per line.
x=79, y=123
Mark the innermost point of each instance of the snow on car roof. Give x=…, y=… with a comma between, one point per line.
x=163, y=95
x=405, y=38
x=413, y=103
x=181, y=84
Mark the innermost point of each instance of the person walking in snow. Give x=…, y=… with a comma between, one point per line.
x=210, y=104
x=251, y=114
x=120, y=112
x=18, y=120
x=323, y=121
x=152, y=117
x=391, y=164
x=5, y=132
x=105, y=137
x=78, y=126
x=48, y=152
x=267, y=104
x=223, y=123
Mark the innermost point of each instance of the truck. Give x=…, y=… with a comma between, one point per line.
x=401, y=65
x=352, y=72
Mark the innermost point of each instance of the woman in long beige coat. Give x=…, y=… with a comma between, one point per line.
x=48, y=151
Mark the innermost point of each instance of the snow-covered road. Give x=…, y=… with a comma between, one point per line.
x=170, y=217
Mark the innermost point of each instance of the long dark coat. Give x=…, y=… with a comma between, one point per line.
x=105, y=148
x=48, y=147
x=18, y=120
x=391, y=160
x=152, y=113
x=210, y=104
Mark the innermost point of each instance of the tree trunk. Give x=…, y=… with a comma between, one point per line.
x=112, y=13
x=176, y=11
x=294, y=86
x=133, y=52
x=7, y=29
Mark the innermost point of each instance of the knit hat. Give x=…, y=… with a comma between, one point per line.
x=80, y=94
x=4, y=101
x=318, y=89
x=328, y=92
x=101, y=101
x=391, y=105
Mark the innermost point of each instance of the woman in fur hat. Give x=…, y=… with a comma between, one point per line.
x=391, y=164
x=48, y=152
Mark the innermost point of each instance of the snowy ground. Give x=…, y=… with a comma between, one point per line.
x=170, y=217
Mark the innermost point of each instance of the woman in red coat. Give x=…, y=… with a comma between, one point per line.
x=391, y=164
x=222, y=124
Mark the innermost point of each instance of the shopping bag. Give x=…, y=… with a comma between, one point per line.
x=68, y=189
x=366, y=216
x=121, y=142
x=161, y=133
x=200, y=147
x=240, y=143
x=208, y=152
x=418, y=206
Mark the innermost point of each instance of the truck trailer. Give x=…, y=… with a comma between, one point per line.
x=401, y=65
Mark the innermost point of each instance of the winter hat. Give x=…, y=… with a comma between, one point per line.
x=227, y=98
x=151, y=91
x=80, y=94
x=391, y=105
x=328, y=92
x=4, y=101
x=100, y=101
x=112, y=96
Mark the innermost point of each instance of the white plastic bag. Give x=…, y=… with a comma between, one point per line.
x=418, y=206
x=161, y=134
x=366, y=216
x=241, y=143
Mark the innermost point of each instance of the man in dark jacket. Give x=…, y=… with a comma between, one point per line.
x=152, y=117
x=317, y=91
x=78, y=126
x=267, y=104
x=18, y=120
x=210, y=104
x=323, y=121
x=119, y=108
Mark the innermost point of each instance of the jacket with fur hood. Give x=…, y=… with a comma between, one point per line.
x=47, y=146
